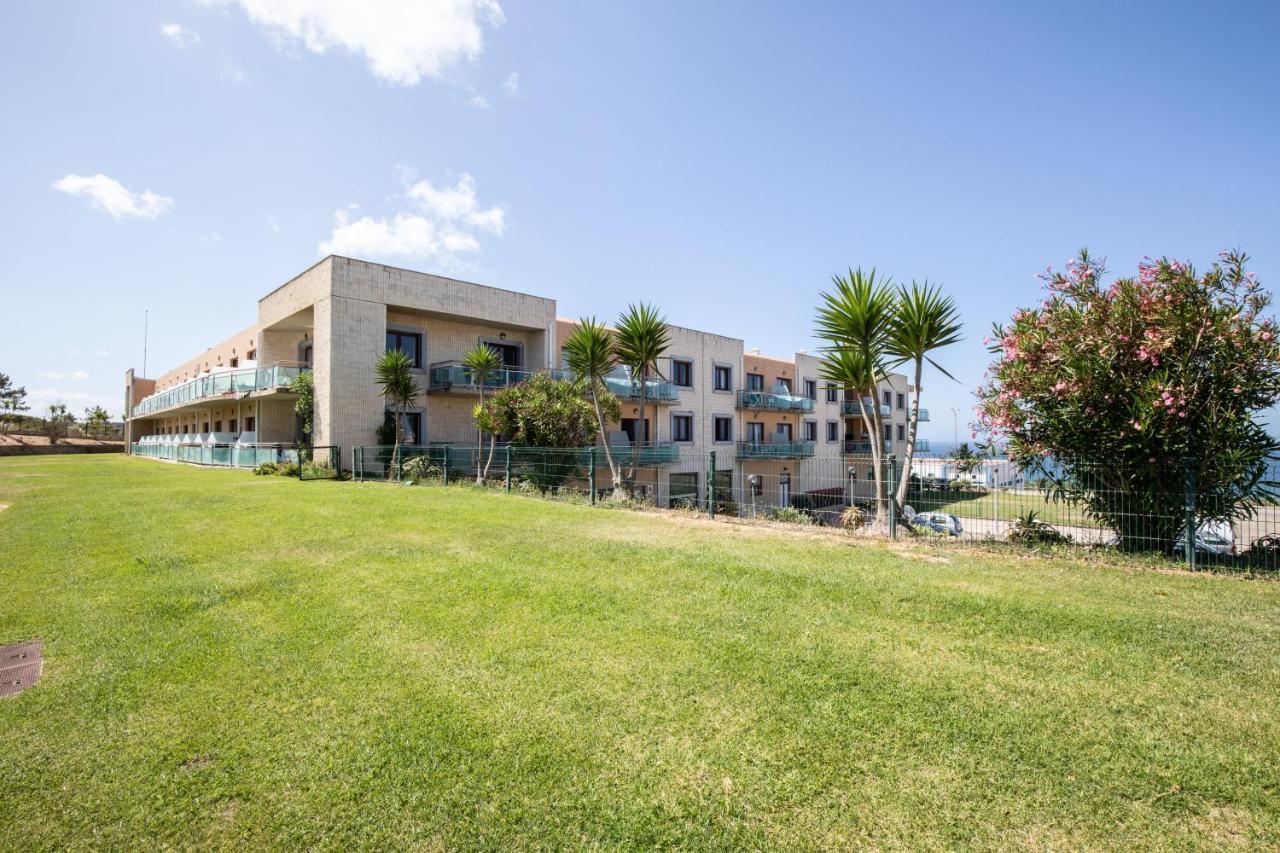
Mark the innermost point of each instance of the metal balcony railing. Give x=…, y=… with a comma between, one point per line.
x=222, y=384
x=861, y=447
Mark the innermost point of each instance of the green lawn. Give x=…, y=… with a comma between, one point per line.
x=1002, y=505
x=240, y=661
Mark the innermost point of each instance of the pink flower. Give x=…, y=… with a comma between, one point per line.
x=1137, y=425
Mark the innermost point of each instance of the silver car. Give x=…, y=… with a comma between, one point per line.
x=940, y=522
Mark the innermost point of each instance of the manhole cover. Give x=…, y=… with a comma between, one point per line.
x=19, y=666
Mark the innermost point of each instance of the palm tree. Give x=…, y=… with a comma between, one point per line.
x=395, y=377
x=639, y=342
x=925, y=321
x=856, y=320
x=482, y=361
x=589, y=352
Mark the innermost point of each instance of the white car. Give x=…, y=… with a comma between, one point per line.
x=1212, y=537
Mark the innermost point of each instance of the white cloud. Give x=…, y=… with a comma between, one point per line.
x=479, y=102
x=511, y=86
x=179, y=35
x=402, y=40
x=233, y=72
x=110, y=196
x=442, y=226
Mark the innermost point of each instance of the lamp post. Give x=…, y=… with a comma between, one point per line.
x=955, y=426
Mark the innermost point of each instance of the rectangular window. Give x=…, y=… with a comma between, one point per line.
x=810, y=430
x=206, y=427
x=636, y=430
x=902, y=401
x=888, y=398
x=235, y=362
x=888, y=432
x=724, y=378
x=411, y=426
x=682, y=373
x=217, y=426
x=250, y=423
x=784, y=431
x=234, y=424
x=755, y=432
x=833, y=430
x=811, y=389
x=251, y=355
x=785, y=383
x=682, y=427
x=684, y=486
x=755, y=382
x=832, y=393
x=724, y=428
x=407, y=342
x=902, y=433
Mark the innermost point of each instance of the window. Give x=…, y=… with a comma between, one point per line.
x=250, y=424
x=755, y=432
x=411, y=426
x=833, y=430
x=305, y=352
x=811, y=389
x=682, y=373
x=784, y=430
x=251, y=355
x=407, y=342
x=206, y=427
x=888, y=398
x=810, y=430
x=757, y=485
x=755, y=382
x=723, y=428
x=682, y=427
x=871, y=473
x=723, y=378
x=235, y=425
x=832, y=392
x=217, y=426
x=902, y=401
x=902, y=433
x=235, y=362
x=785, y=383
x=684, y=486
x=888, y=432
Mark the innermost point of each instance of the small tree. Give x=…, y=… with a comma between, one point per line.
x=641, y=339
x=591, y=357
x=1122, y=395
x=13, y=401
x=482, y=362
x=395, y=378
x=96, y=421
x=58, y=422
x=554, y=417
x=305, y=387
x=967, y=459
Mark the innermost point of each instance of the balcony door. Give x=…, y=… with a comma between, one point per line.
x=635, y=429
x=784, y=432
x=509, y=353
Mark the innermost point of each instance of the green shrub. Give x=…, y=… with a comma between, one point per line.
x=265, y=469
x=790, y=515
x=421, y=468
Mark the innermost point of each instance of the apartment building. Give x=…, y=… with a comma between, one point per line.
x=769, y=420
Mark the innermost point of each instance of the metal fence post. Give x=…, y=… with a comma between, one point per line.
x=357, y=469
x=508, y=478
x=445, y=468
x=893, y=510
x=591, y=478
x=1189, y=513
x=711, y=484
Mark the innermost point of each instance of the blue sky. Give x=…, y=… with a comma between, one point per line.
x=721, y=160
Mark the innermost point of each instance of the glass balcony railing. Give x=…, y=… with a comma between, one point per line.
x=454, y=376
x=855, y=408
x=222, y=384
x=922, y=444
x=860, y=447
x=654, y=453
x=924, y=415
x=774, y=449
x=763, y=400
x=656, y=390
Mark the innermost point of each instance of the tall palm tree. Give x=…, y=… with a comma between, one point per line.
x=482, y=362
x=925, y=320
x=856, y=319
x=590, y=355
x=395, y=377
x=638, y=343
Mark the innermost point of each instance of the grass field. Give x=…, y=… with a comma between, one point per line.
x=240, y=661
x=1001, y=505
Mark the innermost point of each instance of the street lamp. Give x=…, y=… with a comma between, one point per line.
x=955, y=425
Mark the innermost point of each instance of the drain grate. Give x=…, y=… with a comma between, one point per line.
x=19, y=666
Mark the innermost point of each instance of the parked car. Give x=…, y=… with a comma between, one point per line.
x=940, y=522
x=1214, y=538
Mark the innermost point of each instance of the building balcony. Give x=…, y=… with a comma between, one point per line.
x=764, y=401
x=859, y=448
x=224, y=384
x=644, y=455
x=924, y=415
x=454, y=376
x=628, y=390
x=855, y=408
x=774, y=449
